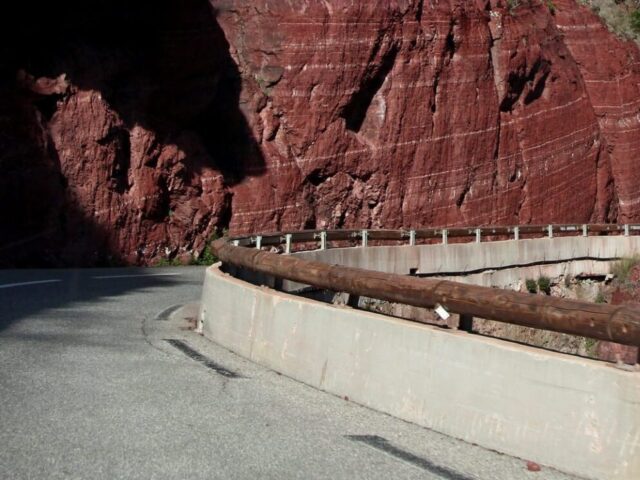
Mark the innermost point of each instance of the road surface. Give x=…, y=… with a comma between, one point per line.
x=101, y=378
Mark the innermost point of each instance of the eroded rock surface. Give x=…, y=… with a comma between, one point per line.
x=271, y=114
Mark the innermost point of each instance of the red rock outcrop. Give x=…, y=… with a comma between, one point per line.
x=268, y=114
x=610, y=70
x=126, y=133
x=416, y=113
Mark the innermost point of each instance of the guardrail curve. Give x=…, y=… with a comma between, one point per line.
x=620, y=324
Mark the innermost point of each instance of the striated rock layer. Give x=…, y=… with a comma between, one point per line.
x=433, y=113
x=272, y=114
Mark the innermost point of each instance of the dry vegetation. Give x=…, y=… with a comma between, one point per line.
x=622, y=269
x=621, y=16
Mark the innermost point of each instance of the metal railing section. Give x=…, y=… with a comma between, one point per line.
x=322, y=237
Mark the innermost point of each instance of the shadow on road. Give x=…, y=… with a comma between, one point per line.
x=83, y=287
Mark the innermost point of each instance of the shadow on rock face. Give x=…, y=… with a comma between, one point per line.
x=161, y=68
x=40, y=225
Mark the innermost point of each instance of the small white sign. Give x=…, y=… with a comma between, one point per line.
x=442, y=312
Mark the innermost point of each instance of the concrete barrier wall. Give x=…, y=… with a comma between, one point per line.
x=496, y=264
x=468, y=257
x=577, y=415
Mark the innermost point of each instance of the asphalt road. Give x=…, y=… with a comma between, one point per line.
x=100, y=378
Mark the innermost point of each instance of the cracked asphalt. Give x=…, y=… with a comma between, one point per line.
x=101, y=378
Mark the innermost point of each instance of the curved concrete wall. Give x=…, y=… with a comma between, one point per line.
x=575, y=414
x=469, y=257
x=491, y=264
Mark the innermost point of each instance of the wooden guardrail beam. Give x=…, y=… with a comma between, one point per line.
x=618, y=323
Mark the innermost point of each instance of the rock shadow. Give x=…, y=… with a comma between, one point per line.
x=163, y=65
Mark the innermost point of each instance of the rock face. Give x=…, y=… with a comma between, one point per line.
x=118, y=144
x=611, y=74
x=272, y=114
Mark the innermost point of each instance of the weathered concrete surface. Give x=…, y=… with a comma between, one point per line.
x=492, y=264
x=578, y=415
x=470, y=257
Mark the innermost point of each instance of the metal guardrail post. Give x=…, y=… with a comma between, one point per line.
x=466, y=323
x=258, y=242
x=550, y=231
x=626, y=230
x=585, y=230
x=323, y=240
x=478, y=235
x=412, y=237
x=287, y=243
x=516, y=233
x=365, y=238
x=445, y=236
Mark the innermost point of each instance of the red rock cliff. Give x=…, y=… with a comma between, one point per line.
x=288, y=114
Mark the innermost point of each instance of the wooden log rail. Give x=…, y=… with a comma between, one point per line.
x=620, y=323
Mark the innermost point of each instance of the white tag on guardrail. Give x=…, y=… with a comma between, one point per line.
x=442, y=312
